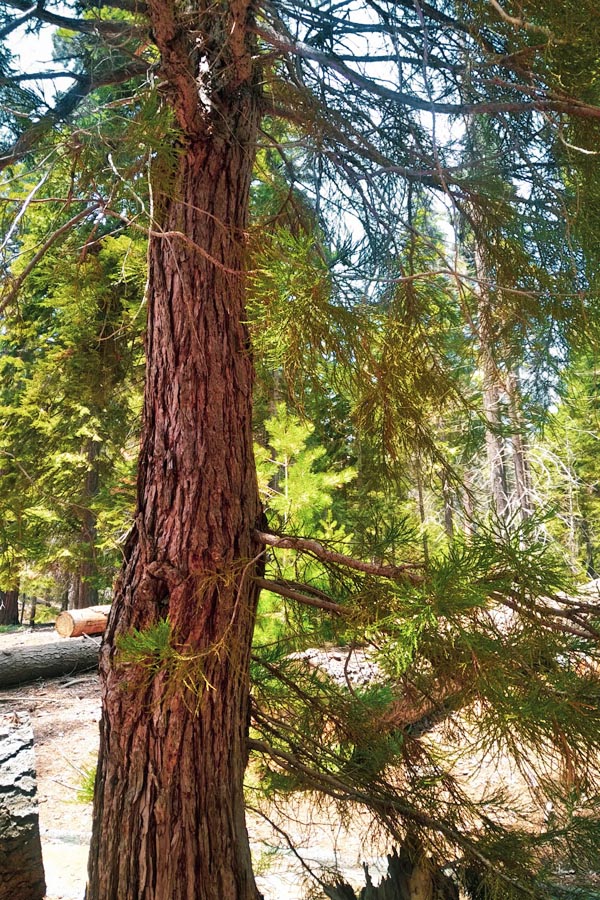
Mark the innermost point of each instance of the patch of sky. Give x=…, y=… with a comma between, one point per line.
x=33, y=55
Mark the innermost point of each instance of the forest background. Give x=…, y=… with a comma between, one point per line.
x=421, y=296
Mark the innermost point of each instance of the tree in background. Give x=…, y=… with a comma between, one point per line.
x=68, y=358
x=199, y=86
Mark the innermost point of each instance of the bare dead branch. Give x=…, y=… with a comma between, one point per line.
x=516, y=22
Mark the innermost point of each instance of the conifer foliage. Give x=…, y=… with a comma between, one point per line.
x=386, y=200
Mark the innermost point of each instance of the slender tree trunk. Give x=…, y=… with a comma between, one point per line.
x=421, y=507
x=520, y=449
x=9, y=607
x=84, y=592
x=169, y=817
x=64, y=602
x=587, y=545
x=32, y=611
x=494, y=441
x=448, y=507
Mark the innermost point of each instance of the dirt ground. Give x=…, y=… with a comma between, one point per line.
x=65, y=713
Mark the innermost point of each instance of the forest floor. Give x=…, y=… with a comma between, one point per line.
x=65, y=713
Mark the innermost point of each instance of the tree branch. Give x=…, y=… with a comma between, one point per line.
x=305, y=51
x=16, y=23
x=82, y=26
x=378, y=799
x=16, y=285
x=39, y=76
x=516, y=22
x=284, y=590
x=397, y=573
x=569, y=621
x=137, y=7
x=570, y=624
x=67, y=104
x=568, y=106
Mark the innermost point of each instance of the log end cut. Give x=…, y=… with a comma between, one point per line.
x=75, y=622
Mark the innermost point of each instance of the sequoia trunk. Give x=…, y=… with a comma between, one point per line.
x=169, y=809
x=9, y=607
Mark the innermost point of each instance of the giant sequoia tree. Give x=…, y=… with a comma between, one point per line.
x=364, y=88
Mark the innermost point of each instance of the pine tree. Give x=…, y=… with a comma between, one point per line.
x=68, y=358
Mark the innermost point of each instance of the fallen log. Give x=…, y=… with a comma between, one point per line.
x=73, y=623
x=24, y=664
x=21, y=866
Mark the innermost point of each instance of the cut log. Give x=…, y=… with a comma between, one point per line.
x=21, y=866
x=75, y=622
x=25, y=664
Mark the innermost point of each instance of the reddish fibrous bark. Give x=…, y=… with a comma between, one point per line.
x=169, y=809
x=9, y=607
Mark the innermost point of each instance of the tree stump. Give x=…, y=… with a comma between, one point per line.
x=407, y=879
x=21, y=866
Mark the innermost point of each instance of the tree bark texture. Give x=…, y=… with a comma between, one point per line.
x=26, y=664
x=21, y=866
x=169, y=818
x=9, y=607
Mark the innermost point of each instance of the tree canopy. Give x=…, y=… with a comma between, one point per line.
x=364, y=235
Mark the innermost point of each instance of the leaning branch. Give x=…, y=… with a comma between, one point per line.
x=397, y=573
x=279, y=587
x=516, y=22
x=554, y=614
x=555, y=617
x=17, y=22
x=39, y=76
